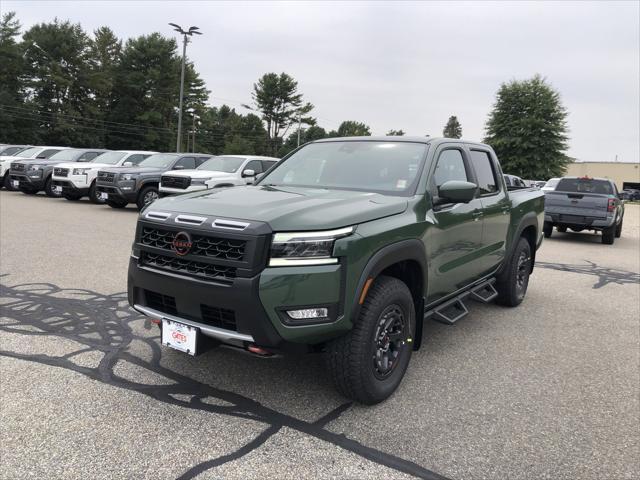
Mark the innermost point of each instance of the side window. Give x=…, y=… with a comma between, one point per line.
x=135, y=159
x=450, y=166
x=483, y=166
x=267, y=164
x=47, y=153
x=185, y=163
x=201, y=160
x=255, y=165
x=88, y=156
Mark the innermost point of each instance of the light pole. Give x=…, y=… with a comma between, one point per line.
x=185, y=40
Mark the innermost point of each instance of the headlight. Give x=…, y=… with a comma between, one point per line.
x=305, y=248
x=128, y=176
x=34, y=167
x=199, y=181
x=80, y=171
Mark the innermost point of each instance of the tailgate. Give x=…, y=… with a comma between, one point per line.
x=582, y=204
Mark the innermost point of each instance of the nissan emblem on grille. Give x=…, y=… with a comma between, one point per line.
x=182, y=243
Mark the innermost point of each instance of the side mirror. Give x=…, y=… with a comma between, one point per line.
x=179, y=167
x=456, y=191
x=127, y=164
x=249, y=173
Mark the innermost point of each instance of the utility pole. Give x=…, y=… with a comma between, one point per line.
x=299, y=123
x=193, y=141
x=185, y=40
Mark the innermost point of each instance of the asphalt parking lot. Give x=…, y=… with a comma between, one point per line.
x=547, y=390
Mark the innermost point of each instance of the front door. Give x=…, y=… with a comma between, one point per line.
x=454, y=242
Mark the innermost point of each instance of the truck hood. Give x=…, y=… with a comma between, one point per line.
x=287, y=208
x=113, y=169
x=39, y=161
x=84, y=165
x=4, y=158
x=198, y=174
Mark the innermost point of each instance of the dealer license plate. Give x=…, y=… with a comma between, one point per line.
x=15, y=183
x=103, y=195
x=179, y=336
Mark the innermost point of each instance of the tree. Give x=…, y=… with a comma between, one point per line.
x=16, y=118
x=350, y=128
x=528, y=130
x=452, y=129
x=395, y=133
x=277, y=98
x=306, y=135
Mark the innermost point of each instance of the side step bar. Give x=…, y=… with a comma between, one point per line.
x=454, y=309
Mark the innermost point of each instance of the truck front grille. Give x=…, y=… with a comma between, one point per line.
x=18, y=167
x=211, y=247
x=162, y=303
x=61, y=172
x=188, y=267
x=175, y=182
x=106, y=177
x=218, y=317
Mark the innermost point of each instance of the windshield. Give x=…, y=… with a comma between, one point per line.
x=551, y=183
x=585, y=185
x=10, y=150
x=161, y=160
x=370, y=166
x=66, y=155
x=110, y=158
x=222, y=164
x=29, y=152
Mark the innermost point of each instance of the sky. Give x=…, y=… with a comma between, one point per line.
x=404, y=65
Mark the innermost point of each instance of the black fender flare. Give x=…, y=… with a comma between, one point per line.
x=411, y=249
x=529, y=219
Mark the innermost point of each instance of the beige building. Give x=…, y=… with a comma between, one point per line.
x=624, y=174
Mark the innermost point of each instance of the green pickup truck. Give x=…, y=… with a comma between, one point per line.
x=343, y=248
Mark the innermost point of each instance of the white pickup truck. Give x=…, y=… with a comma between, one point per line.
x=222, y=171
x=75, y=181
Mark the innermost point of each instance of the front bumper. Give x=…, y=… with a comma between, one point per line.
x=118, y=192
x=69, y=187
x=166, y=191
x=26, y=181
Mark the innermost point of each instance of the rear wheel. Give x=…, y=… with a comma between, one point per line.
x=93, y=194
x=114, y=204
x=547, y=229
x=368, y=363
x=514, y=280
x=48, y=189
x=147, y=195
x=562, y=229
x=608, y=235
x=619, y=229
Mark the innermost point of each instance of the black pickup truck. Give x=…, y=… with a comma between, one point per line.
x=584, y=203
x=123, y=185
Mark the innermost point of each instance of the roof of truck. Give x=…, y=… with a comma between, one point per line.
x=395, y=138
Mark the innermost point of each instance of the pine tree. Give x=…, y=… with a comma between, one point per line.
x=452, y=129
x=528, y=130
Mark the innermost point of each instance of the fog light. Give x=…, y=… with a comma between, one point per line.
x=308, y=313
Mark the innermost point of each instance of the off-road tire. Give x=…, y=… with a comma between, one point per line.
x=350, y=358
x=6, y=182
x=609, y=235
x=48, y=189
x=547, y=228
x=93, y=195
x=114, y=204
x=143, y=193
x=619, y=229
x=511, y=291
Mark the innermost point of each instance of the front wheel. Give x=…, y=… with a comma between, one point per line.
x=48, y=189
x=147, y=195
x=6, y=182
x=547, y=228
x=513, y=281
x=368, y=363
x=94, y=196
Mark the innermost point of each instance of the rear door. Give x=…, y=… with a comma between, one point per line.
x=496, y=206
x=454, y=243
